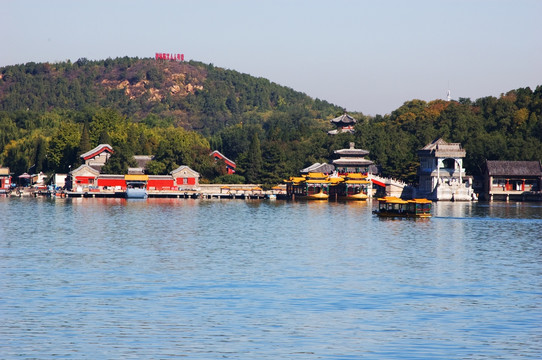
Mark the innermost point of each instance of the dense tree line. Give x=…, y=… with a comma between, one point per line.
x=179, y=112
x=490, y=128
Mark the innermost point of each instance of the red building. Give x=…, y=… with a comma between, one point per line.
x=5, y=179
x=86, y=178
x=185, y=178
x=97, y=157
x=82, y=177
x=230, y=165
x=106, y=181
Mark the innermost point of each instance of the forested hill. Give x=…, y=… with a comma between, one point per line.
x=180, y=111
x=193, y=95
x=176, y=111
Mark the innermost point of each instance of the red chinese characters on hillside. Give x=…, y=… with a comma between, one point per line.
x=168, y=56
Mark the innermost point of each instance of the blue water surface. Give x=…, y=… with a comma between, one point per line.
x=213, y=279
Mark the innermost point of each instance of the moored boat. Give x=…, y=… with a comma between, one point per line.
x=391, y=206
x=314, y=186
x=351, y=186
x=136, y=193
x=136, y=186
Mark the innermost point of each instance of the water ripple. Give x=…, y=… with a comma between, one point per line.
x=110, y=279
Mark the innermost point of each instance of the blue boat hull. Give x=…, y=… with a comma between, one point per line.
x=136, y=193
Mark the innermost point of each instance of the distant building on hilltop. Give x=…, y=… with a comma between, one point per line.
x=344, y=123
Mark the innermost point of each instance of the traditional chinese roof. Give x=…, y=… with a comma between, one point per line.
x=442, y=149
x=184, y=170
x=97, y=151
x=142, y=160
x=351, y=151
x=218, y=155
x=352, y=161
x=352, y=157
x=514, y=168
x=344, y=119
x=320, y=168
x=85, y=169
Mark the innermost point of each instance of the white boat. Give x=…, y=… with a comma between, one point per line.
x=136, y=193
x=136, y=189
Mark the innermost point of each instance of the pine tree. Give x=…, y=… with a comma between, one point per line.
x=84, y=144
x=254, y=166
x=39, y=160
x=104, y=138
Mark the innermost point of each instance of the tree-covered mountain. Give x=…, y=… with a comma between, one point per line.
x=179, y=111
x=192, y=95
x=143, y=106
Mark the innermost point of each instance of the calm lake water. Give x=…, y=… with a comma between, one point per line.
x=213, y=279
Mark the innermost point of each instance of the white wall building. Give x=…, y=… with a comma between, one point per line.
x=441, y=175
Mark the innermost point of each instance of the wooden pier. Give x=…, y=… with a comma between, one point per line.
x=207, y=191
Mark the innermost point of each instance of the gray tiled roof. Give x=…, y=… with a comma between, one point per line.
x=345, y=119
x=514, y=168
x=320, y=168
x=441, y=148
x=351, y=152
x=352, y=161
x=97, y=149
x=142, y=160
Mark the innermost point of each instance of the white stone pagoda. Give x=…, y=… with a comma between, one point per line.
x=441, y=175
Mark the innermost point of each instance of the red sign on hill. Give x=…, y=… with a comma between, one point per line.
x=168, y=56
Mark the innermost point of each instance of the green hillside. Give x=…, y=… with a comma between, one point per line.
x=143, y=106
x=188, y=94
x=179, y=111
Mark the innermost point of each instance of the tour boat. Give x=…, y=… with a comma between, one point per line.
x=391, y=206
x=351, y=186
x=314, y=186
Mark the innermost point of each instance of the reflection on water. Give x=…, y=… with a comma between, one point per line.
x=207, y=279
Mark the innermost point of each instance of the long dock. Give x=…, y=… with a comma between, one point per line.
x=204, y=191
x=122, y=194
x=178, y=195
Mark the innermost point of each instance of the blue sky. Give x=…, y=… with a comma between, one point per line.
x=367, y=56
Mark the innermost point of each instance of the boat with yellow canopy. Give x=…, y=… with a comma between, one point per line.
x=391, y=206
x=313, y=186
x=352, y=186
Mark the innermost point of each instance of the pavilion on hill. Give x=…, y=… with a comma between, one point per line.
x=344, y=123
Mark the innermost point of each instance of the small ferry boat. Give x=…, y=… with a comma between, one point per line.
x=391, y=206
x=313, y=186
